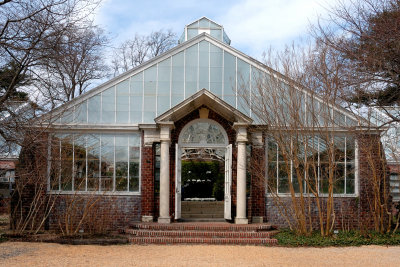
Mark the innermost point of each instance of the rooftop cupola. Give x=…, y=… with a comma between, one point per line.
x=204, y=25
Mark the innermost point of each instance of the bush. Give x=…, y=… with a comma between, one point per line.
x=350, y=238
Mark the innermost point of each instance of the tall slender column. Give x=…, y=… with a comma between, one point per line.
x=241, y=177
x=164, y=183
x=164, y=175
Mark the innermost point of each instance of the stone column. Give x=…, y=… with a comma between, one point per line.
x=241, y=140
x=165, y=140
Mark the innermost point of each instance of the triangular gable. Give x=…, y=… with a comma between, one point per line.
x=201, y=22
x=174, y=51
x=203, y=97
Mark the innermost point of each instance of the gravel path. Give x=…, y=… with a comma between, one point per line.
x=46, y=254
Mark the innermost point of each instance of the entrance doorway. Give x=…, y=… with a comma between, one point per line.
x=202, y=177
x=203, y=173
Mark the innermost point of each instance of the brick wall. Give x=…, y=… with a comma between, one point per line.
x=147, y=186
x=256, y=201
x=104, y=212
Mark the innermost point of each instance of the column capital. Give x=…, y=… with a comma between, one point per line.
x=165, y=130
x=241, y=131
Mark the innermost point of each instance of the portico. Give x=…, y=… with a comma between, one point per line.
x=207, y=111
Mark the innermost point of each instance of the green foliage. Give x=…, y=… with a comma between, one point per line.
x=7, y=74
x=202, y=179
x=343, y=238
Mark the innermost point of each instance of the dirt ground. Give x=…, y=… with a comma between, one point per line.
x=47, y=254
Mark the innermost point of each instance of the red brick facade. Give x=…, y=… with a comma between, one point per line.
x=114, y=212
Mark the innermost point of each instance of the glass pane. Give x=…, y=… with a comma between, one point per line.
x=204, y=69
x=230, y=79
x=243, y=85
x=121, y=162
x=79, y=163
x=338, y=181
x=68, y=116
x=271, y=182
x=107, y=162
x=191, y=70
x=324, y=178
x=192, y=33
x=350, y=180
x=203, y=133
x=66, y=161
x=216, y=70
x=164, y=84
x=204, y=23
x=93, y=162
x=339, y=150
x=150, y=85
x=350, y=148
x=136, y=95
x=81, y=112
x=108, y=106
x=94, y=104
x=217, y=33
x=134, y=162
x=177, y=79
x=283, y=176
x=123, y=102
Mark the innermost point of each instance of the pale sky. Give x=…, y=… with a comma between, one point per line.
x=252, y=25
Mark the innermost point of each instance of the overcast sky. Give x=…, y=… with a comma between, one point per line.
x=252, y=25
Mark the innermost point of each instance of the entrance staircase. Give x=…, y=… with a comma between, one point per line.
x=202, y=211
x=201, y=233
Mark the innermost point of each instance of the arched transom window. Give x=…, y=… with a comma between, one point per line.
x=203, y=132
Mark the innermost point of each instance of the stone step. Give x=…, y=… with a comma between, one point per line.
x=202, y=215
x=187, y=208
x=203, y=226
x=204, y=234
x=197, y=240
x=203, y=220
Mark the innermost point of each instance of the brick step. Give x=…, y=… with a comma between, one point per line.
x=212, y=209
x=203, y=220
x=204, y=234
x=197, y=240
x=202, y=215
x=204, y=226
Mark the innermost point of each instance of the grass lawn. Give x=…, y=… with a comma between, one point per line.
x=351, y=238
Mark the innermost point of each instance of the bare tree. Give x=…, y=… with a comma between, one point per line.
x=134, y=52
x=365, y=36
x=73, y=64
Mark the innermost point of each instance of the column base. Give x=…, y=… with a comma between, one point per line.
x=147, y=218
x=241, y=221
x=257, y=219
x=164, y=220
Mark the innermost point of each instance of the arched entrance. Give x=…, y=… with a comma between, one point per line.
x=202, y=143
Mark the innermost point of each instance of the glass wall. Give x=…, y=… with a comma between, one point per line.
x=95, y=162
x=149, y=93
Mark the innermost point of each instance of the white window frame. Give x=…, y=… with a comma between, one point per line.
x=97, y=192
x=356, y=175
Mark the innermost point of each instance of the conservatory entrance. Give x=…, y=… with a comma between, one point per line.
x=203, y=173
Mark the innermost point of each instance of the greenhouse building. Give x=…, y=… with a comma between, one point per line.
x=181, y=138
